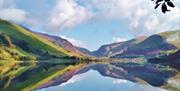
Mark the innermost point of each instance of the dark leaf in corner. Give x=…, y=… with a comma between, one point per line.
x=167, y=0
x=164, y=8
x=158, y=1
x=164, y=5
x=169, y=3
x=157, y=5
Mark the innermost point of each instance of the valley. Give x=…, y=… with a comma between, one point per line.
x=33, y=61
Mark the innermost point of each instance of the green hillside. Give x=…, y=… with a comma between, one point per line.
x=24, y=55
x=28, y=42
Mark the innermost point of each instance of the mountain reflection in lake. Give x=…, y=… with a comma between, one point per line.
x=93, y=81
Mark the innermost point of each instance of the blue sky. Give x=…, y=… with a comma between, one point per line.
x=91, y=23
x=97, y=33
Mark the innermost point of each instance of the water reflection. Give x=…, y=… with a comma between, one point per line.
x=94, y=81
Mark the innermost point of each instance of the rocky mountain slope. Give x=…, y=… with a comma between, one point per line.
x=142, y=46
x=61, y=42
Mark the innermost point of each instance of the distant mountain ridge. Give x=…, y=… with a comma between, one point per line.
x=61, y=42
x=58, y=41
x=145, y=46
x=140, y=46
x=85, y=51
x=115, y=48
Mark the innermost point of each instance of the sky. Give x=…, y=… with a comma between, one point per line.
x=91, y=23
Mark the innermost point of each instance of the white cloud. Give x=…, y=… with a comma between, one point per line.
x=119, y=39
x=119, y=81
x=7, y=3
x=140, y=15
x=13, y=14
x=152, y=23
x=75, y=42
x=140, y=87
x=66, y=14
x=8, y=11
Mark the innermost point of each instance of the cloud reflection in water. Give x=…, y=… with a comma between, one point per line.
x=93, y=81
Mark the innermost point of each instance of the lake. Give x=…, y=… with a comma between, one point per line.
x=99, y=76
x=93, y=78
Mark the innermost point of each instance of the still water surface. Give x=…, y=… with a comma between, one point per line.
x=93, y=81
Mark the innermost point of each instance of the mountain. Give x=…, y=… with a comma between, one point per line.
x=29, y=44
x=142, y=46
x=115, y=48
x=84, y=51
x=61, y=42
x=25, y=55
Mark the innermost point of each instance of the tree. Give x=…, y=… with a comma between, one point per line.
x=164, y=5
